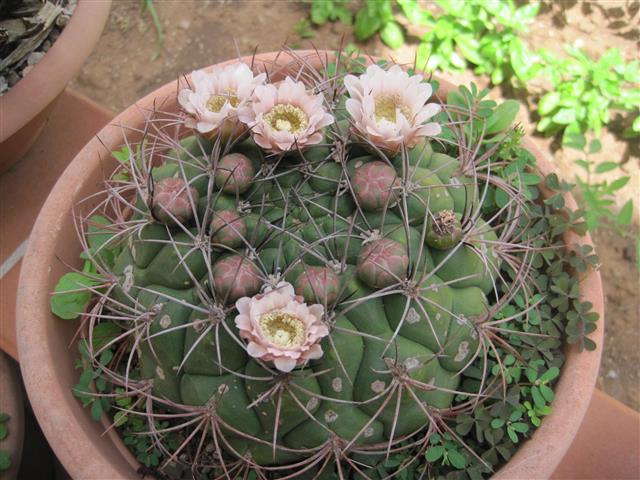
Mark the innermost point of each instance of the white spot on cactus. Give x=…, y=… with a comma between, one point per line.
x=412, y=316
x=411, y=363
x=330, y=416
x=474, y=334
x=368, y=433
x=437, y=195
x=198, y=325
x=160, y=373
x=438, y=316
x=463, y=350
x=128, y=278
x=223, y=388
x=359, y=163
x=336, y=384
x=312, y=403
x=378, y=386
x=434, y=288
x=461, y=319
x=165, y=321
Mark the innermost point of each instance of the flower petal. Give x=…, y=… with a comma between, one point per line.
x=284, y=364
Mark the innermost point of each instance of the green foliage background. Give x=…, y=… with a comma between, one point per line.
x=485, y=37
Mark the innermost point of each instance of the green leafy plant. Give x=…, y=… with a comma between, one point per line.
x=303, y=28
x=149, y=6
x=323, y=11
x=598, y=196
x=447, y=451
x=513, y=425
x=483, y=35
x=91, y=379
x=374, y=17
x=5, y=458
x=584, y=91
x=71, y=295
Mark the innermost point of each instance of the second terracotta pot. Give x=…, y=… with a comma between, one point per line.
x=26, y=106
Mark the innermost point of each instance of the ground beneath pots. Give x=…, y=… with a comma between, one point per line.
x=128, y=63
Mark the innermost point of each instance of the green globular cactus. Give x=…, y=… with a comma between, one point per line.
x=335, y=256
x=397, y=264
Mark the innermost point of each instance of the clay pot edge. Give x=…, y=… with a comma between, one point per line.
x=50, y=76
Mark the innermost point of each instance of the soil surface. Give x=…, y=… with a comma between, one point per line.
x=129, y=63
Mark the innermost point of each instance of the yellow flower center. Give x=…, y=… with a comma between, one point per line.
x=283, y=329
x=288, y=118
x=386, y=107
x=216, y=102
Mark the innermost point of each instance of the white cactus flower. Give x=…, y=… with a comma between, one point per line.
x=217, y=95
x=285, y=116
x=389, y=108
x=280, y=328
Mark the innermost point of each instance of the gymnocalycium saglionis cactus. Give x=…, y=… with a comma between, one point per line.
x=315, y=268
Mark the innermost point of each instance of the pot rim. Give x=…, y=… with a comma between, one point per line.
x=67, y=431
x=58, y=67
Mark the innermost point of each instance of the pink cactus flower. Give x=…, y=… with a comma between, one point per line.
x=285, y=117
x=212, y=106
x=389, y=108
x=280, y=328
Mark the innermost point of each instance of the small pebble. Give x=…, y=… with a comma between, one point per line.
x=612, y=374
x=26, y=70
x=62, y=21
x=13, y=78
x=34, y=58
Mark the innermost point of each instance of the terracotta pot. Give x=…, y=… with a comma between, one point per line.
x=26, y=106
x=11, y=403
x=47, y=354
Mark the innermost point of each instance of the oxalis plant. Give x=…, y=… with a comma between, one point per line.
x=322, y=269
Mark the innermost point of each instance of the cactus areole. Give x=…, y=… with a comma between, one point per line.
x=346, y=284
